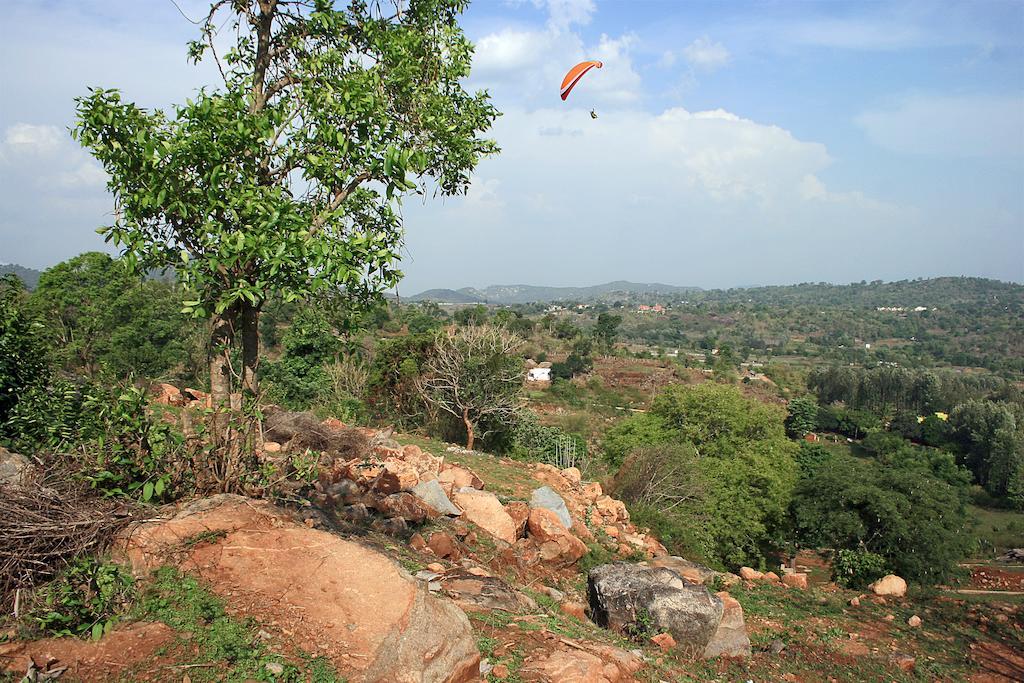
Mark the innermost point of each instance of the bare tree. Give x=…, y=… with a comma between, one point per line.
x=472, y=374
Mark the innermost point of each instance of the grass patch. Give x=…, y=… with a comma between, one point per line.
x=211, y=636
x=997, y=530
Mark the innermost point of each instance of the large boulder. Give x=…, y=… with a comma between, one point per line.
x=486, y=511
x=632, y=599
x=431, y=493
x=889, y=585
x=327, y=594
x=546, y=498
x=730, y=639
x=557, y=545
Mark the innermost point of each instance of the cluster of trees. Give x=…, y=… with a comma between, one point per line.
x=714, y=474
x=977, y=418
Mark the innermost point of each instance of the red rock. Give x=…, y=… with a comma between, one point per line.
x=854, y=602
x=611, y=509
x=914, y=621
x=556, y=543
x=748, y=574
x=271, y=447
x=904, y=661
x=574, y=609
x=500, y=671
x=334, y=423
x=665, y=641
x=486, y=511
x=437, y=568
x=167, y=394
x=407, y=506
x=572, y=475
x=382, y=623
x=459, y=477
x=592, y=491
x=519, y=511
x=654, y=547
x=416, y=542
x=795, y=580
x=730, y=638
x=612, y=531
x=442, y=545
x=396, y=476
x=771, y=576
x=595, y=664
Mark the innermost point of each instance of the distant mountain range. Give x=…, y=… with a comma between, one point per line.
x=29, y=276
x=525, y=294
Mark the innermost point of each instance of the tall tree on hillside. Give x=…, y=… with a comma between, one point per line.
x=284, y=179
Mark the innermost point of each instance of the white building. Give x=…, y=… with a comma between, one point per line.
x=538, y=374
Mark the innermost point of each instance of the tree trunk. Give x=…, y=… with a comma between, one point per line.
x=221, y=336
x=469, y=428
x=248, y=319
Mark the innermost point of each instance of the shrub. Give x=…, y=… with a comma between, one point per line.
x=857, y=568
x=22, y=354
x=86, y=598
x=744, y=460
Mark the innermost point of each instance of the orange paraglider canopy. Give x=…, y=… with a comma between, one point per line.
x=575, y=74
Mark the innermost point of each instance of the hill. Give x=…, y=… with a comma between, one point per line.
x=29, y=276
x=527, y=294
x=447, y=296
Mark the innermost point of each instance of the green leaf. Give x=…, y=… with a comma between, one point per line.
x=97, y=631
x=147, y=491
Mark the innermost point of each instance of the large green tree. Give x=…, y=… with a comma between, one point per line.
x=284, y=178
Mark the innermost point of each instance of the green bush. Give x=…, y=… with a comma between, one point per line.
x=22, y=354
x=857, y=568
x=906, y=514
x=86, y=598
x=744, y=461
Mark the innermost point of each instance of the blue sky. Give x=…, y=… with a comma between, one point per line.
x=737, y=142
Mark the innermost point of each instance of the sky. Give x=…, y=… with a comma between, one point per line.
x=737, y=143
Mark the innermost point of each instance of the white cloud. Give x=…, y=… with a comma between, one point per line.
x=705, y=54
x=949, y=126
x=564, y=13
x=33, y=140
x=649, y=196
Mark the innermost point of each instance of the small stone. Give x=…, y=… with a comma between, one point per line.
x=416, y=542
x=854, y=602
x=665, y=641
x=554, y=593
x=750, y=574
x=436, y=567
x=771, y=576
x=914, y=621
x=889, y=617
x=500, y=671
x=274, y=668
x=271, y=447
x=574, y=609
x=443, y=545
x=904, y=661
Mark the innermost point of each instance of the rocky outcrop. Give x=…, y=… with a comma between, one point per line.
x=374, y=621
x=632, y=599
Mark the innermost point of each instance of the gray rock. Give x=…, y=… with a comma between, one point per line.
x=692, y=571
x=545, y=497
x=730, y=640
x=344, y=491
x=431, y=493
x=470, y=591
x=14, y=468
x=634, y=599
